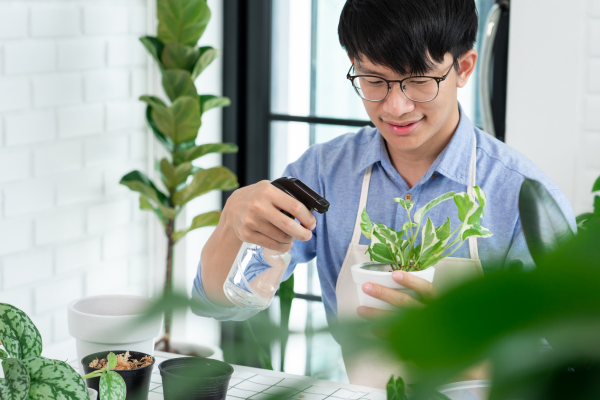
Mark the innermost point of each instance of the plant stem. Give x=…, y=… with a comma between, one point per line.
x=169, y=280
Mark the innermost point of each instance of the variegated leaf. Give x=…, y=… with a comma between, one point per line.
x=112, y=361
x=443, y=231
x=428, y=237
x=112, y=386
x=406, y=204
x=15, y=384
x=18, y=334
x=3, y=355
x=54, y=379
x=365, y=224
x=481, y=198
x=407, y=225
x=466, y=205
x=380, y=252
x=421, y=211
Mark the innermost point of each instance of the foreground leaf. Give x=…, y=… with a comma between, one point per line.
x=207, y=56
x=3, y=355
x=178, y=56
x=15, y=385
x=210, y=218
x=217, y=178
x=182, y=21
x=54, y=379
x=112, y=386
x=209, y=101
x=18, y=333
x=178, y=83
x=395, y=389
x=154, y=47
x=202, y=150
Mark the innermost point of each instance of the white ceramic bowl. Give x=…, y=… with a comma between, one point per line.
x=378, y=273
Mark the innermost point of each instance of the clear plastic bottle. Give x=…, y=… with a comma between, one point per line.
x=257, y=272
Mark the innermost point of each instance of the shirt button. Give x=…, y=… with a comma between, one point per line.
x=434, y=175
x=408, y=197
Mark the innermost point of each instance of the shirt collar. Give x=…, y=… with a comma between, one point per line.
x=453, y=162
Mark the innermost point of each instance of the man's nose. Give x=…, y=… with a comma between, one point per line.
x=396, y=103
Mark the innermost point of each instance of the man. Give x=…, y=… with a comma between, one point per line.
x=408, y=60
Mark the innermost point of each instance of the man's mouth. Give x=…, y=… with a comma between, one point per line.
x=403, y=127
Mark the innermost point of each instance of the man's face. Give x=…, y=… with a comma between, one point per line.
x=409, y=126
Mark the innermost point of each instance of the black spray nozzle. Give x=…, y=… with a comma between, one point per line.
x=305, y=195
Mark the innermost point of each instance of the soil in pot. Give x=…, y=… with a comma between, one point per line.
x=193, y=378
x=136, y=380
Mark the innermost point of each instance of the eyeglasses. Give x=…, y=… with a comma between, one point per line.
x=421, y=89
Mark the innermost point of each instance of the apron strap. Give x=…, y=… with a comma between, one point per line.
x=472, y=174
x=361, y=205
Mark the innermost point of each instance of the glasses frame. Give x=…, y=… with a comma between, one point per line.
x=351, y=78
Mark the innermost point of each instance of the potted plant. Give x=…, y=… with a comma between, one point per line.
x=134, y=369
x=586, y=219
x=29, y=375
x=191, y=378
x=392, y=250
x=175, y=124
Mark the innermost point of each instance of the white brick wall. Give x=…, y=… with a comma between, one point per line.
x=70, y=126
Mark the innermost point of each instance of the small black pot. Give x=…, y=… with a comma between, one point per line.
x=137, y=381
x=193, y=378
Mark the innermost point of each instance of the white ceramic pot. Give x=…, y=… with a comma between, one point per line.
x=110, y=323
x=380, y=274
x=93, y=394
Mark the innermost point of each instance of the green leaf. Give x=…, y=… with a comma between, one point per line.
x=181, y=121
x=207, y=219
x=139, y=182
x=466, y=205
x=484, y=233
x=406, y=226
x=154, y=47
x=209, y=101
x=596, y=186
x=54, y=379
x=112, y=387
x=423, y=210
x=395, y=390
x=18, y=334
x=365, y=224
x=3, y=355
x=167, y=173
x=481, y=198
x=162, y=138
x=15, y=385
x=182, y=21
x=217, y=178
x=177, y=56
x=207, y=56
x=443, y=231
x=406, y=204
x=380, y=252
x=153, y=101
x=543, y=223
x=597, y=205
x=112, y=361
x=199, y=151
x=178, y=83
x=428, y=236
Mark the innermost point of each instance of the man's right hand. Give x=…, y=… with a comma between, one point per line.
x=252, y=214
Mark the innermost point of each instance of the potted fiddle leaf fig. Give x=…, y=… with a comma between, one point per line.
x=175, y=123
x=392, y=250
x=28, y=375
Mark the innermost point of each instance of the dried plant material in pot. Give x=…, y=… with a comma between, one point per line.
x=123, y=362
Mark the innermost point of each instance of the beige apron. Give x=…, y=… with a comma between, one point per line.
x=369, y=368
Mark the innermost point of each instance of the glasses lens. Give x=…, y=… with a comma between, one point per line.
x=420, y=89
x=371, y=87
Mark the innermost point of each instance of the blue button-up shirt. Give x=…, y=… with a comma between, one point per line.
x=335, y=170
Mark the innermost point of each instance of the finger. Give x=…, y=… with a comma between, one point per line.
x=287, y=203
x=265, y=241
x=419, y=285
x=273, y=232
x=394, y=297
x=289, y=225
x=373, y=313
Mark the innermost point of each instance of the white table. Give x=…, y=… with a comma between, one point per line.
x=260, y=384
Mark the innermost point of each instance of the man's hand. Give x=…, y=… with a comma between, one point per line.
x=396, y=297
x=253, y=214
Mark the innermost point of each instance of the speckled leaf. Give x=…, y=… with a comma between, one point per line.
x=54, y=379
x=15, y=384
x=112, y=386
x=3, y=355
x=18, y=334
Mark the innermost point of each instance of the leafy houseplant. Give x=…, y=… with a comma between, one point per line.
x=110, y=381
x=585, y=219
x=181, y=23
x=391, y=247
x=28, y=375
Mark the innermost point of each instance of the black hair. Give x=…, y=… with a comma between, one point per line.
x=408, y=36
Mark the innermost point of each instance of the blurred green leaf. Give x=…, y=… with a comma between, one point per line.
x=217, y=178
x=209, y=101
x=162, y=138
x=182, y=21
x=395, y=389
x=18, y=334
x=207, y=56
x=139, y=182
x=167, y=173
x=199, y=151
x=178, y=83
x=263, y=356
x=154, y=47
x=177, y=56
x=543, y=223
x=286, y=295
x=210, y=218
x=180, y=122
x=16, y=382
x=3, y=355
x=596, y=186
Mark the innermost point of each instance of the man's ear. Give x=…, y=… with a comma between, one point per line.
x=466, y=63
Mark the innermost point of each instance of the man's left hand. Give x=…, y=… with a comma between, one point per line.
x=395, y=297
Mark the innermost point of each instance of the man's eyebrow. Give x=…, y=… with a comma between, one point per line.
x=369, y=71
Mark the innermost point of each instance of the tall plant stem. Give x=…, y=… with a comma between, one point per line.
x=169, y=280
